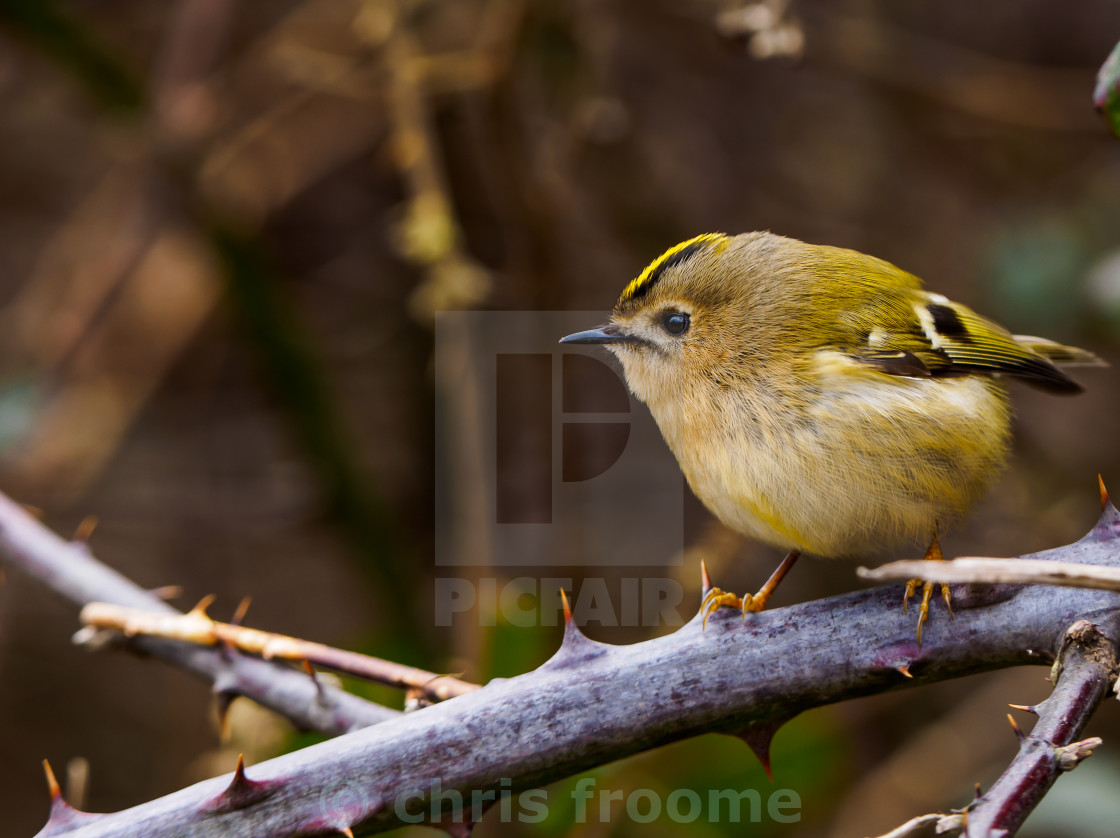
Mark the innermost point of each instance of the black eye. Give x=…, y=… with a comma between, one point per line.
x=675, y=322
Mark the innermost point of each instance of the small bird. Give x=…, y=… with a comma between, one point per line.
x=817, y=399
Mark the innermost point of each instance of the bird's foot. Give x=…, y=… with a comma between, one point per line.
x=933, y=554
x=716, y=599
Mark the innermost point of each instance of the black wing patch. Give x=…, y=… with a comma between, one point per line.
x=947, y=322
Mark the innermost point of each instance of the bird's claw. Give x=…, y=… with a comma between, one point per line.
x=746, y=604
x=717, y=599
x=933, y=554
x=927, y=594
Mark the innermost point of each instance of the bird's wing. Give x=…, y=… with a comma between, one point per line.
x=927, y=335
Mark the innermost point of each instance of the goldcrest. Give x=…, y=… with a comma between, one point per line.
x=817, y=398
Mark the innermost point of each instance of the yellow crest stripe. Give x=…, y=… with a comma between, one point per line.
x=673, y=256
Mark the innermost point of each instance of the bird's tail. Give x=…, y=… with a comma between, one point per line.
x=1066, y=356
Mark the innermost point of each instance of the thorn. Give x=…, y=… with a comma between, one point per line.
x=203, y=604
x=758, y=737
x=573, y=637
x=223, y=700
x=242, y=609
x=705, y=579
x=1109, y=522
x=85, y=529
x=239, y=773
x=63, y=816
x=167, y=592
x=904, y=668
x=1026, y=708
x=976, y=789
x=347, y=831
x=241, y=791
x=319, y=689
x=575, y=646
x=1015, y=727
x=52, y=783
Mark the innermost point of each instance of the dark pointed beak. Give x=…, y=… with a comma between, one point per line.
x=608, y=333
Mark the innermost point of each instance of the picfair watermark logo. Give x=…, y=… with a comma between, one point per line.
x=543, y=456
x=545, y=460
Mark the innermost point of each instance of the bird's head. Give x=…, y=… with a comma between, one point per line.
x=703, y=313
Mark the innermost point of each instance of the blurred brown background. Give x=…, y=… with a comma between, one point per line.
x=225, y=228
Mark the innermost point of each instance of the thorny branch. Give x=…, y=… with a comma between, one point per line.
x=593, y=703
x=197, y=627
x=974, y=569
x=1082, y=675
x=68, y=568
